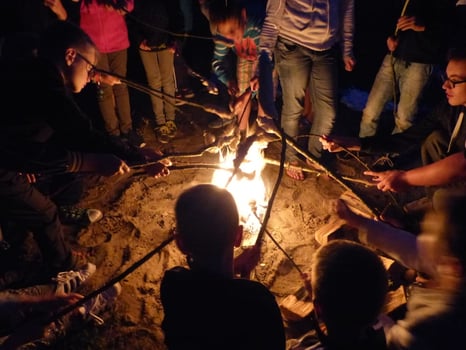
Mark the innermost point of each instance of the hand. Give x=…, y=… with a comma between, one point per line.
x=232, y=88
x=392, y=43
x=239, y=104
x=350, y=62
x=159, y=169
x=405, y=23
x=254, y=83
x=342, y=211
x=143, y=45
x=247, y=261
x=340, y=143
x=104, y=164
x=391, y=180
x=56, y=7
x=31, y=178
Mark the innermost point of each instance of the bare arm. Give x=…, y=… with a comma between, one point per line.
x=443, y=172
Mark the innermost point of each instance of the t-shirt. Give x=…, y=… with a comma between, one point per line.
x=206, y=312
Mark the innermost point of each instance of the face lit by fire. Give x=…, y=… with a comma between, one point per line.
x=455, y=82
x=233, y=28
x=81, y=64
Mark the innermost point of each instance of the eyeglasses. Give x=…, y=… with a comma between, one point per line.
x=451, y=83
x=90, y=67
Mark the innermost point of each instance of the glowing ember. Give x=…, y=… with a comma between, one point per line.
x=248, y=189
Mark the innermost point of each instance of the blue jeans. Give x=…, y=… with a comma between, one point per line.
x=298, y=68
x=411, y=78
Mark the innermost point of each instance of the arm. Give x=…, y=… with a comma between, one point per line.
x=271, y=26
x=443, y=172
x=348, y=34
x=400, y=245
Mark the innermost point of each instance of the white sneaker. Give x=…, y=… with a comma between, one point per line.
x=96, y=305
x=69, y=281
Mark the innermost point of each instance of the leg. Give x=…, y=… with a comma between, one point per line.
x=324, y=97
x=118, y=65
x=381, y=92
x=152, y=68
x=24, y=205
x=244, y=71
x=107, y=102
x=293, y=70
x=434, y=147
x=166, y=63
x=413, y=79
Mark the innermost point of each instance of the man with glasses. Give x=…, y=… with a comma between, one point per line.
x=45, y=137
x=442, y=134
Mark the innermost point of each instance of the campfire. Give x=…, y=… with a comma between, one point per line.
x=247, y=187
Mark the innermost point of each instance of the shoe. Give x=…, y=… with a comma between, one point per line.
x=97, y=305
x=70, y=215
x=163, y=133
x=69, y=281
x=172, y=129
x=133, y=138
x=220, y=123
x=187, y=92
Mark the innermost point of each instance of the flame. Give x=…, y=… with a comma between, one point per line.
x=247, y=188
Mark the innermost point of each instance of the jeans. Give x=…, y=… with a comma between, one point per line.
x=114, y=103
x=410, y=80
x=298, y=68
x=159, y=67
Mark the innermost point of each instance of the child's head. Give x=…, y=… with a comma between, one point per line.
x=349, y=283
x=207, y=222
x=228, y=17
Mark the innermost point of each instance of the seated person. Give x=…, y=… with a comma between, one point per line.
x=50, y=136
x=349, y=287
x=443, y=135
x=436, y=306
x=205, y=306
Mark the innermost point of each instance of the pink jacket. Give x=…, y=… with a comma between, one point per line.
x=106, y=27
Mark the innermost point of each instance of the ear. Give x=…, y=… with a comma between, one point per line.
x=239, y=236
x=70, y=56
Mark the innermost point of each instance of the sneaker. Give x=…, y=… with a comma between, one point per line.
x=97, y=305
x=172, y=129
x=163, y=133
x=69, y=281
x=133, y=138
x=70, y=215
x=187, y=92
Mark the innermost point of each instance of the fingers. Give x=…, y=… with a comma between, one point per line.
x=124, y=168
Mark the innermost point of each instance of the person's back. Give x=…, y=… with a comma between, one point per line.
x=205, y=307
x=208, y=312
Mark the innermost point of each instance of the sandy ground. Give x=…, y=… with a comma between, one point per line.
x=138, y=217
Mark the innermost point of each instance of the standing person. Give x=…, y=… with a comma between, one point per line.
x=237, y=25
x=205, y=306
x=50, y=135
x=416, y=51
x=436, y=307
x=156, y=49
x=104, y=21
x=303, y=38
